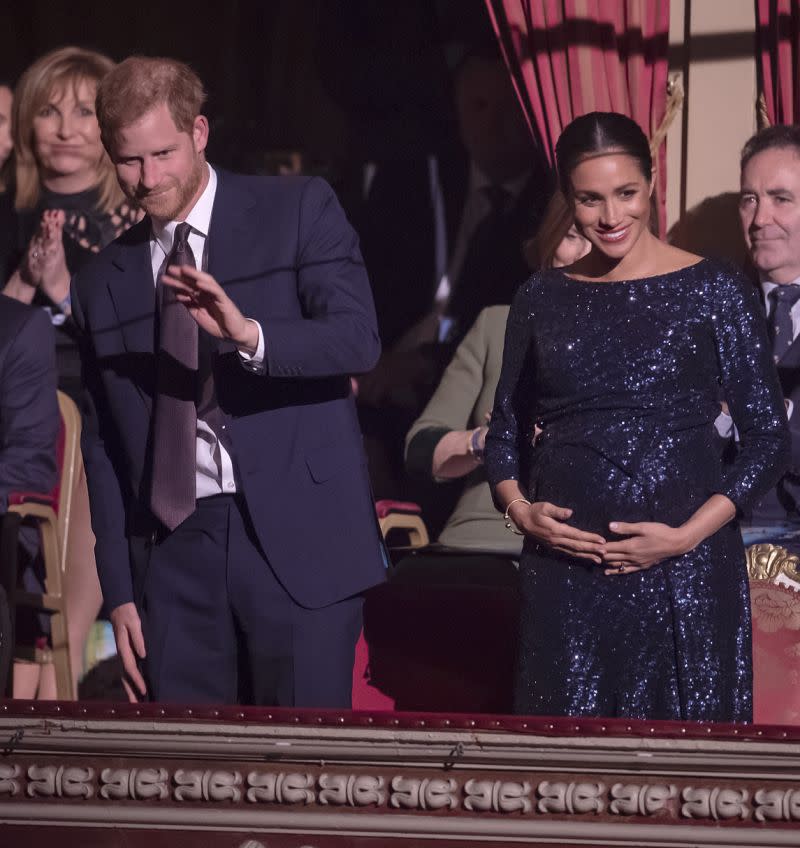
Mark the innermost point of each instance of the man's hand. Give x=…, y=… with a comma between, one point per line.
x=546, y=522
x=648, y=543
x=130, y=644
x=211, y=307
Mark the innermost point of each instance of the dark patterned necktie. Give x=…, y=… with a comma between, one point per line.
x=172, y=496
x=780, y=318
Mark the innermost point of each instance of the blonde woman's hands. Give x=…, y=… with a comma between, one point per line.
x=45, y=265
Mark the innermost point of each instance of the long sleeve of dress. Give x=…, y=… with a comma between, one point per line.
x=751, y=388
x=511, y=428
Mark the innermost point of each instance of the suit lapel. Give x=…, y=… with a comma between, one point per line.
x=132, y=289
x=132, y=292
x=231, y=233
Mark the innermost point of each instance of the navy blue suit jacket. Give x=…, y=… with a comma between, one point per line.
x=29, y=418
x=285, y=253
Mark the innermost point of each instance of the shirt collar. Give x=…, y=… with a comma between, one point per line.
x=199, y=217
x=767, y=286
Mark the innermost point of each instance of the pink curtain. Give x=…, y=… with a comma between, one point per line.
x=779, y=48
x=570, y=57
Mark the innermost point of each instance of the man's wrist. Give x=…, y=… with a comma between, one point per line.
x=248, y=341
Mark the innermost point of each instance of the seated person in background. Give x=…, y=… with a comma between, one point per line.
x=69, y=206
x=29, y=423
x=7, y=215
x=29, y=419
x=482, y=207
x=770, y=215
x=447, y=440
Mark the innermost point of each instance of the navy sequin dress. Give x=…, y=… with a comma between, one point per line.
x=624, y=378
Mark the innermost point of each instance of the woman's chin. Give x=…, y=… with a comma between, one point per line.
x=67, y=167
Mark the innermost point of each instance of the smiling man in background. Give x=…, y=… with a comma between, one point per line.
x=769, y=208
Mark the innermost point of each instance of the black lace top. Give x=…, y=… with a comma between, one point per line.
x=87, y=230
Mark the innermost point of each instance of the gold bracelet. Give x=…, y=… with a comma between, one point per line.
x=509, y=525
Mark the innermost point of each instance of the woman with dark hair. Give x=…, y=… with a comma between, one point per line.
x=635, y=594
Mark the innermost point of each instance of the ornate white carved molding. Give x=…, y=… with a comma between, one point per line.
x=404, y=783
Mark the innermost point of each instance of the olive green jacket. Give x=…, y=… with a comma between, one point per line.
x=461, y=401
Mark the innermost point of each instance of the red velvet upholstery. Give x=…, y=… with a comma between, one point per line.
x=538, y=725
x=19, y=498
x=385, y=506
x=51, y=498
x=776, y=653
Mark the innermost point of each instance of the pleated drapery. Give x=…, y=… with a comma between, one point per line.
x=570, y=57
x=778, y=45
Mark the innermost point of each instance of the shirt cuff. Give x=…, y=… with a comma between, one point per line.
x=724, y=426
x=254, y=362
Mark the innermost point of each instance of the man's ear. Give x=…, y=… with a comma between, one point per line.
x=200, y=133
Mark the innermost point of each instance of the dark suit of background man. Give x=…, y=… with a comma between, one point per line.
x=262, y=574
x=28, y=407
x=29, y=423
x=770, y=214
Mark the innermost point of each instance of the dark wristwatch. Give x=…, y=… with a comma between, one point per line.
x=475, y=448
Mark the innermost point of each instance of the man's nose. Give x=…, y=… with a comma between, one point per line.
x=761, y=214
x=150, y=175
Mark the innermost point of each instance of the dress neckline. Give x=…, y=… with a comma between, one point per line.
x=691, y=267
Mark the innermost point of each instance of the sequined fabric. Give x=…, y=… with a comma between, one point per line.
x=624, y=379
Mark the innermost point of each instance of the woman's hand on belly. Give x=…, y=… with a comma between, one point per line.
x=546, y=522
x=648, y=543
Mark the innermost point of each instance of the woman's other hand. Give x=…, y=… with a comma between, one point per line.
x=546, y=523
x=45, y=265
x=648, y=543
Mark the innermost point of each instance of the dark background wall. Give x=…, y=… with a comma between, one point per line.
x=339, y=80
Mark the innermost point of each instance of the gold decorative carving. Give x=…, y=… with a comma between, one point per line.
x=766, y=562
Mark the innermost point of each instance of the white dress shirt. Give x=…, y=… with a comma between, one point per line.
x=215, y=473
x=724, y=422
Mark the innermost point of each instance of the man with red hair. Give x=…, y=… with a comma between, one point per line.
x=234, y=522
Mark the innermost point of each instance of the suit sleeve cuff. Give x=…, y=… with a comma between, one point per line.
x=257, y=361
